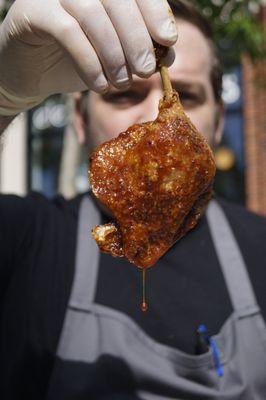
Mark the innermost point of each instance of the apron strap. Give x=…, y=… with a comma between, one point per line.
x=87, y=257
x=232, y=263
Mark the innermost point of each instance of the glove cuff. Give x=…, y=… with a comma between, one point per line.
x=13, y=105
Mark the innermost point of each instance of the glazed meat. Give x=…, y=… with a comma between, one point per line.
x=156, y=179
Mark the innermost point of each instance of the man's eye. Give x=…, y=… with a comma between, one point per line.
x=189, y=99
x=124, y=98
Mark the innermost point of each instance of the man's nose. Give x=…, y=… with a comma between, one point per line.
x=149, y=108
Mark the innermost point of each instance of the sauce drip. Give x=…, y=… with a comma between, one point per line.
x=144, y=305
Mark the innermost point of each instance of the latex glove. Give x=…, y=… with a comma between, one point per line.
x=57, y=46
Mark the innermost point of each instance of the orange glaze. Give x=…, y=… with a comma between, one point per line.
x=156, y=178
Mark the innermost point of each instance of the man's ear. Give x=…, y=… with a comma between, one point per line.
x=78, y=119
x=219, y=123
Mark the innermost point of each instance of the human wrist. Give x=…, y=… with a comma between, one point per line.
x=12, y=105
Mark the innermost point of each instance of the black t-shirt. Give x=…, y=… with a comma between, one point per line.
x=37, y=256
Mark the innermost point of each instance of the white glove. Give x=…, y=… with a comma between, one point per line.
x=57, y=46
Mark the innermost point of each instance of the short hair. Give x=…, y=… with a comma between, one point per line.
x=185, y=10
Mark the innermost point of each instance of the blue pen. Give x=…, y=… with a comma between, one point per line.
x=202, y=330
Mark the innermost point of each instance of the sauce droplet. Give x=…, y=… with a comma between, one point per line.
x=144, y=305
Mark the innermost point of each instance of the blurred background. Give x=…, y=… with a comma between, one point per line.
x=40, y=151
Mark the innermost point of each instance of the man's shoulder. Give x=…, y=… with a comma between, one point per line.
x=35, y=209
x=243, y=220
x=40, y=203
x=249, y=230
x=69, y=205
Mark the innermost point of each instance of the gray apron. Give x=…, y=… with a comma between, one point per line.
x=94, y=335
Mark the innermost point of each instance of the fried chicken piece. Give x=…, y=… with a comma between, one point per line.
x=156, y=179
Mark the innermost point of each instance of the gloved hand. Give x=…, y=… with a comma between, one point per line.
x=57, y=46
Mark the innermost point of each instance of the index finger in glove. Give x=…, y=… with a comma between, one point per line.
x=101, y=33
x=159, y=20
x=133, y=34
x=73, y=40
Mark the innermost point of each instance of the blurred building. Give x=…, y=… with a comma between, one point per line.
x=254, y=88
x=230, y=159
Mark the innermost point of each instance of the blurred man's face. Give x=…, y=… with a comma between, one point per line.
x=114, y=112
